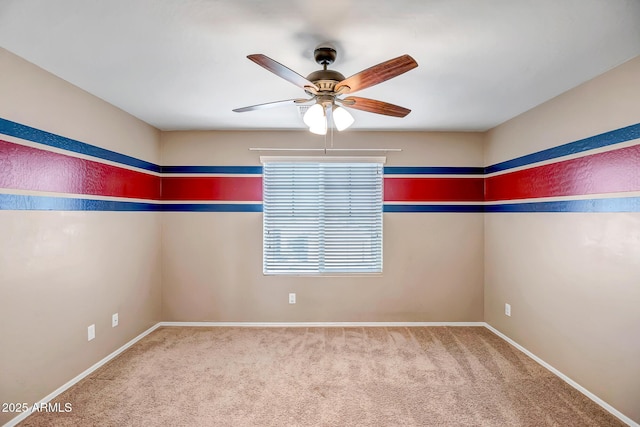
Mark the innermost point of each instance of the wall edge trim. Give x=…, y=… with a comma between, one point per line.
x=315, y=324
x=16, y=420
x=607, y=407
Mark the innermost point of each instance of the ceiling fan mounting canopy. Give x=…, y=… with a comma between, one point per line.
x=325, y=55
x=326, y=86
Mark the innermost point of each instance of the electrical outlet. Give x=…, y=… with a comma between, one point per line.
x=292, y=298
x=507, y=309
x=91, y=332
x=114, y=320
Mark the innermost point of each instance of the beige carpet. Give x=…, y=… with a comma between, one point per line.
x=434, y=376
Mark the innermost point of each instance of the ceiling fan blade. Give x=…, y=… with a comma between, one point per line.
x=374, y=106
x=377, y=74
x=272, y=105
x=281, y=71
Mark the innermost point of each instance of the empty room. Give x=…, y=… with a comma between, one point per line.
x=332, y=213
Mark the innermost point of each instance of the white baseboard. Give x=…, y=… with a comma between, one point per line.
x=568, y=380
x=76, y=379
x=318, y=324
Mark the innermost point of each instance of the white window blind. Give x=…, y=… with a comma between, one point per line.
x=322, y=218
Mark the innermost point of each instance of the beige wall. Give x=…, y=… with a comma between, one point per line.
x=212, y=262
x=572, y=279
x=605, y=103
x=62, y=271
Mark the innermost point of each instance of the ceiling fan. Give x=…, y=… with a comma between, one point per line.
x=326, y=88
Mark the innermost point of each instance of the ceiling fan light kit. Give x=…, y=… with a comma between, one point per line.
x=326, y=86
x=314, y=116
x=318, y=122
x=342, y=118
x=320, y=130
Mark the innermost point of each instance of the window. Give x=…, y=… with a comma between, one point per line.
x=322, y=218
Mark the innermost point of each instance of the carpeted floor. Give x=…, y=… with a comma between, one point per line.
x=418, y=376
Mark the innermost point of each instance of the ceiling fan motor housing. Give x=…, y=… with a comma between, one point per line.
x=324, y=79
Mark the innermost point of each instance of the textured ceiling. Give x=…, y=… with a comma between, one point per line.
x=181, y=64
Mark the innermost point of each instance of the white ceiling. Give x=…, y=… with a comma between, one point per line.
x=181, y=64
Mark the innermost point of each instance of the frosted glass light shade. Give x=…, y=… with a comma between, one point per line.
x=314, y=117
x=342, y=118
x=320, y=129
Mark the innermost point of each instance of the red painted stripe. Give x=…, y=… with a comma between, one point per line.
x=212, y=188
x=608, y=172
x=433, y=189
x=250, y=189
x=28, y=168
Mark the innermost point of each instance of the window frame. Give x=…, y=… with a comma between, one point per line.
x=381, y=160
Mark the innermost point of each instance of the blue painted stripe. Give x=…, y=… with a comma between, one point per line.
x=388, y=170
x=432, y=170
x=45, y=203
x=253, y=170
x=19, y=202
x=7, y=127
x=433, y=208
x=623, y=204
x=602, y=140
x=213, y=207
